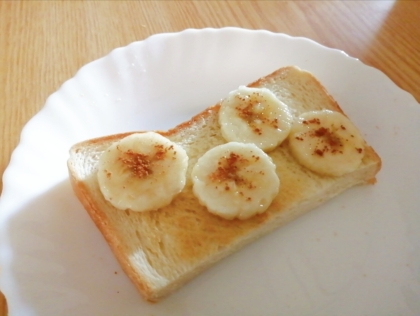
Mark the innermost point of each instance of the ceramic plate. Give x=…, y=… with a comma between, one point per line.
x=358, y=254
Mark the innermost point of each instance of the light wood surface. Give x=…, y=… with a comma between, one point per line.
x=43, y=43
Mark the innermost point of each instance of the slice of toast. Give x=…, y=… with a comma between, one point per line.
x=161, y=250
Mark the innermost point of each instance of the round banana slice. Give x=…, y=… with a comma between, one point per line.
x=142, y=172
x=326, y=142
x=255, y=115
x=235, y=180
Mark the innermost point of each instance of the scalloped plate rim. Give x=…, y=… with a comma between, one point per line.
x=23, y=142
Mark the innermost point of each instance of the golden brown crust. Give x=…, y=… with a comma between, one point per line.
x=373, y=156
x=105, y=227
x=186, y=125
x=286, y=71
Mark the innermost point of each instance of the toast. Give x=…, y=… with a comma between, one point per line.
x=161, y=250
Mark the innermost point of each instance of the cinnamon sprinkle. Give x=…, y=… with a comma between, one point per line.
x=227, y=171
x=328, y=141
x=248, y=113
x=312, y=121
x=141, y=165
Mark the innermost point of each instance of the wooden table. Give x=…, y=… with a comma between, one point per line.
x=43, y=43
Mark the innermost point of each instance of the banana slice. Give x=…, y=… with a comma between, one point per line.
x=142, y=172
x=326, y=142
x=235, y=180
x=255, y=115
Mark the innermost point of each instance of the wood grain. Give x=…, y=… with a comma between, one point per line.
x=44, y=43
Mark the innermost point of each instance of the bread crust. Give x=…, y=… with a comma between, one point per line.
x=161, y=250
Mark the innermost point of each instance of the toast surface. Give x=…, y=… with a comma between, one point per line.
x=161, y=250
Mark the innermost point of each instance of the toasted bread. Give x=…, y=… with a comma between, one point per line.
x=161, y=250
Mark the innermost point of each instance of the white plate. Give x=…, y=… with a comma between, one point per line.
x=356, y=255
